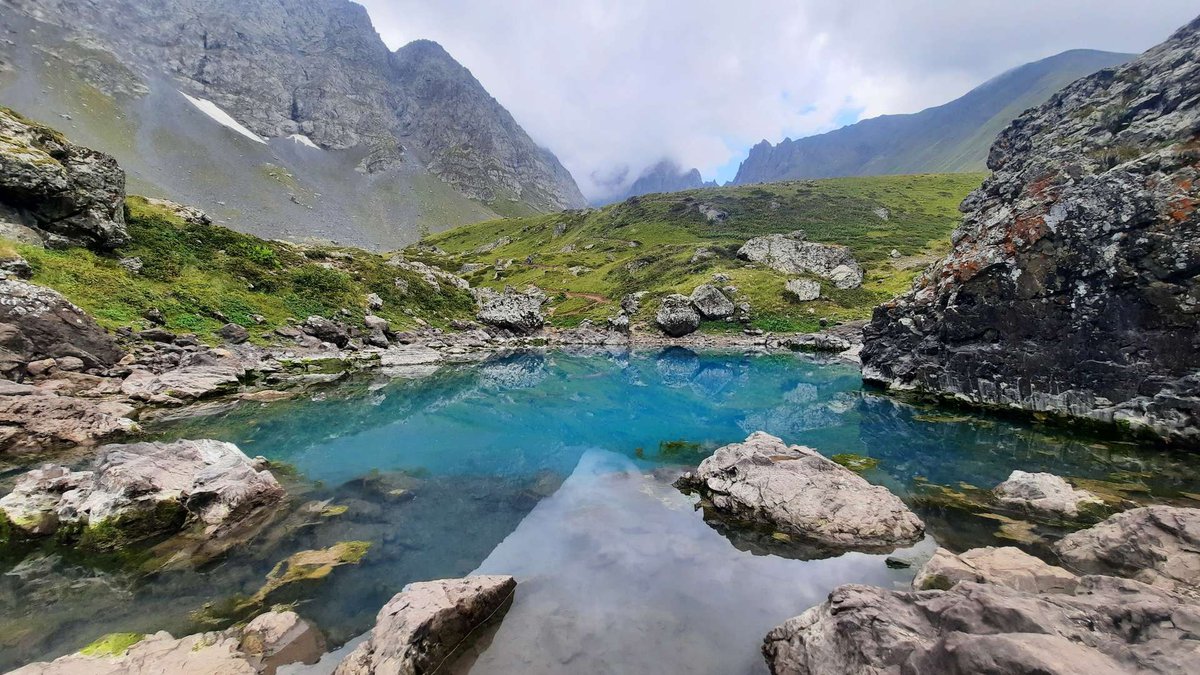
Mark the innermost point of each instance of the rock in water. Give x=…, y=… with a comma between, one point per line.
x=796, y=490
x=1108, y=626
x=677, y=316
x=1005, y=566
x=426, y=622
x=144, y=489
x=1158, y=545
x=711, y=302
x=38, y=323
x=1087, y=230
x=512, y=310
x=68, y=195
x=1044, y=493
x=790, y=254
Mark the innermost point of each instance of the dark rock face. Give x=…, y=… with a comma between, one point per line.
x=57, y=192
x=1071, y=286
x=38, y=323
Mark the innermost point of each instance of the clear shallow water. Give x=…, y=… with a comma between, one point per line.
x=553, y=467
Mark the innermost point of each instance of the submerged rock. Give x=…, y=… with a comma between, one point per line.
x=1044, y=493
x=795, y=490
x=1086, y=230
x=676, y=316
x=142, y=490
x=427, y=622
x=1158, y=545
x=791, y=254
x=1005, y=566
x=1108, y=626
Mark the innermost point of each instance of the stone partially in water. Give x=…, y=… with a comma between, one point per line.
x=1158, y=545
x=795, y=490
x=1045, y=493
x=427, y=622
x=1005, y=566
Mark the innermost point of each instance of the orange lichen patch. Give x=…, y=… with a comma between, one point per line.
x=1182, y=208
x=1043, y=187
x=966, y=270
x=1185, y=184
x=1027, y=228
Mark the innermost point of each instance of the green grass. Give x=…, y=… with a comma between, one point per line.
x=113, y=644
x=197, y=274
x=647, y=244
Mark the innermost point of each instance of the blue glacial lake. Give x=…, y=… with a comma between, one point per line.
x=557, y=467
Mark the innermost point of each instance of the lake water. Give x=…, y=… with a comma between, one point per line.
x=556, y=468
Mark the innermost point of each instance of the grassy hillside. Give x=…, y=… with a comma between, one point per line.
x=650, y=244
x=202, y=276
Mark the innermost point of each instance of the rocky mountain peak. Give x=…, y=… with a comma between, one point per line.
x=1086, y=231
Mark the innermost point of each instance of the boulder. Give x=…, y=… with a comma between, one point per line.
x=1108, y=626
x=233, y=333
x=795, y=490
x=1044, y=493
x=188, y=214
x=676, y=316
x=511, y=310
x=711, y=303
x=1006, y=566
x=632, y=302
x=1085, y=230
x=791, y=254
x=427, y=622
x=38, y=422
x=67, y=194
x=434, y=276
x=270, y=640
x=803, y=289
x=374, y=302
x=15, y=266
x=188, y=383
x=142, y=490
x=37, y=323
x=326, y=331
x=1158, y=545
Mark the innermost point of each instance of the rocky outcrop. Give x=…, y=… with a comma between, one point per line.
x=180, y=385
x=1086, y=229
x=39, y=323
x=271, y=640
x=711, y=303
x=795, y=490
x=66, y=194
x=1003, y=566
x=791, y=254
x=512, y=310
x=1044, y=493
x=419, y=628
x=1108, y=626
x=677, y=316
x=142, y=490
x=1158, y=545
x=34, y=421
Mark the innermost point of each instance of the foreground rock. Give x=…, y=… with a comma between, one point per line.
x=1158, y=545
x=141, y=490
x=39, y=323
x=188, y=383
x=796, y=490
x=58, y=192
x=1003, y=566
x=1087, y=230
x=677, y=316
x=791, y=254
x=426, y=622
x=1045, y=493
x=512, y=310
x=1108, y=626
x=269, y=641
x=38, y=422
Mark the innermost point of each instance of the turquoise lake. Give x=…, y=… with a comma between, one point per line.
x=556, y=467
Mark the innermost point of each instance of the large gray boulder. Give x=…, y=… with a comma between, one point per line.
x=1006, y=566
x=32, y=421
x=427, y=622
x=795, y=490
x=1044, y=493
x=38, y=323
x=519, y=312
x=804, y=290
x=711, y=303
x=68, y=195
x=144, y=489
x=325, y=330
x=677, y=316
x=188, y=383
x=1108, y=626
x=791, y=254
x=1158, y=545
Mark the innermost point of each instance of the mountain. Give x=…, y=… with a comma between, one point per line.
x=951, y=137
x=665, y=176
x=287, y=117
x=1087, y=230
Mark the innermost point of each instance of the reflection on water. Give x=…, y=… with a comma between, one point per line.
x=462, y=470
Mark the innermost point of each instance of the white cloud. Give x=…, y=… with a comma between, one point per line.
x=608, y=84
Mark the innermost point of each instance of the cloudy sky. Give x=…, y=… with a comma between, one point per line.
x=612, y=86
